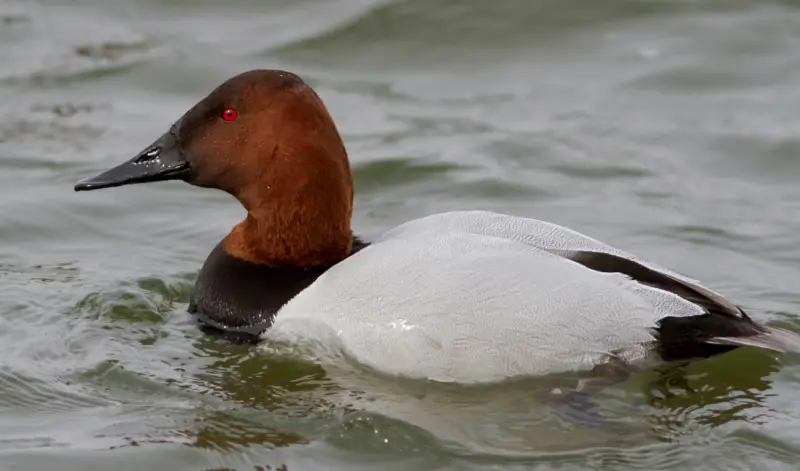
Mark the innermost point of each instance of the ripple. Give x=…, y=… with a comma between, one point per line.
x=379, y=175
x=227, y=432
x=112, y=51
x=694, y=77
x=55, y=49
x=71, y=70
x=24, y=392
x=62, y=133
x=494, y=189
x=600, y=172
x=147, y=301
x=372, y=433
x=65, y=110
x=65, y=272
x=706, y=235
x=14, y=19
x=438, y=32
x=776, y=149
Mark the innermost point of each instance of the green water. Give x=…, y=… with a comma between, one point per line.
x=666, y=128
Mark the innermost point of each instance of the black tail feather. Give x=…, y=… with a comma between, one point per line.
x=687, y=338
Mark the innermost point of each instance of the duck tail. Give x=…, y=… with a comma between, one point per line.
x=770, y=338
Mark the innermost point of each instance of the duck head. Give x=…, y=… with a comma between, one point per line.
x=266, y=138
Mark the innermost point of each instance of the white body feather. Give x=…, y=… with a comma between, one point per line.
x=478, y=296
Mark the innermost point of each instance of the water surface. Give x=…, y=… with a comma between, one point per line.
x=666, y=128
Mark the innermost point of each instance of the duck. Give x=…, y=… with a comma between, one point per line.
x=464, y=296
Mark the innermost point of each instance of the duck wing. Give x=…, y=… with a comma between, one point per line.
x=721, y=323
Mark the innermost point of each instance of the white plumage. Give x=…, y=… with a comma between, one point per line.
x=478, y=296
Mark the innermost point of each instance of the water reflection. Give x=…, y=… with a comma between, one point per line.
x=655, y=406
x=712, y=393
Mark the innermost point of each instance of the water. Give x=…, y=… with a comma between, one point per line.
x=667, y=128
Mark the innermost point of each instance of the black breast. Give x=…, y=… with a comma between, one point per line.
x=238, y=299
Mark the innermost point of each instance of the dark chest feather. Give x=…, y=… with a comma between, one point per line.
x=238, y=299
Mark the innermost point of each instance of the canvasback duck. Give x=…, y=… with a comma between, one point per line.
x=467, y=296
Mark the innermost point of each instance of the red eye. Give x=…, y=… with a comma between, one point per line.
x=229, y=114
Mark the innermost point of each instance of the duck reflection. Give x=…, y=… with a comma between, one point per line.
x=308, y=402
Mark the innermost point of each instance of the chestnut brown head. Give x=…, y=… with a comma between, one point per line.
x=265, y=137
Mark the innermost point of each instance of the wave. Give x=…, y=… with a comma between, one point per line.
x=428, y=32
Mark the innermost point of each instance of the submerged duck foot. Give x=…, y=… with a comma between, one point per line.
x=608, y=373
x=580, y=409
x=576, y=405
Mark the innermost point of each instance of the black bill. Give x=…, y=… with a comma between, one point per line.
x=162, y=160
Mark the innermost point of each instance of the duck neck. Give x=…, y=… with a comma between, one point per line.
x=281, y=234
x=300, y=199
